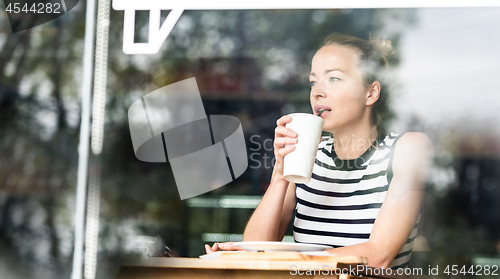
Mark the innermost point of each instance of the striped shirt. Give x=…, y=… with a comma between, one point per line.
x=338, y=207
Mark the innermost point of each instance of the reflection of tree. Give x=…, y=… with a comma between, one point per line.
x=37, y=146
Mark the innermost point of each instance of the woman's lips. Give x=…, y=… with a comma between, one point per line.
x=325, y=113
x=321, y=109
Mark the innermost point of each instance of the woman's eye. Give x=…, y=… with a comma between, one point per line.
x=333, y=79
x=313, y=83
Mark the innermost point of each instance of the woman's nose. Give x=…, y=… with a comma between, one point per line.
x=318, y=92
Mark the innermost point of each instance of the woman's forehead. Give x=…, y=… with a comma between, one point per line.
x=334, y=57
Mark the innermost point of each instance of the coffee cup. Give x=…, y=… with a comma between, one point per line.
x=299, y=163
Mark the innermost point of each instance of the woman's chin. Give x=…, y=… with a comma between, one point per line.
x=328, y=128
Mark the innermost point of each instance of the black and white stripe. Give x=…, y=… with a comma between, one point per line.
x=338, y=207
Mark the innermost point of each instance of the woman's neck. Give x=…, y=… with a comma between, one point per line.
x=351, y=143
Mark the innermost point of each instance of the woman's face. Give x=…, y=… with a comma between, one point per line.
x=337, y=85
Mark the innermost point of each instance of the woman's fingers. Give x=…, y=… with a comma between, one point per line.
x=208, y=249
x=283, y=131
x=212, y=249
x=281, y=142
x=283, y=120
x=284, y=142
x=283, y=146
x=228, y=246
x=215, y=247
x=287, y=149
x=284, y=138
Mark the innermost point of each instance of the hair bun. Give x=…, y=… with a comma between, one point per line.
x=383, y=45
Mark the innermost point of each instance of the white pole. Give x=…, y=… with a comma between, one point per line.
x=83, y=147
x=98, y=117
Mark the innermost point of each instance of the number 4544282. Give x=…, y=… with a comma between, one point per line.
x=36, y=8
x=472, y=270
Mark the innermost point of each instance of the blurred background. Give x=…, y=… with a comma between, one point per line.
x=253, y=65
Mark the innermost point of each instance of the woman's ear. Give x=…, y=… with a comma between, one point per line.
x=373, y=93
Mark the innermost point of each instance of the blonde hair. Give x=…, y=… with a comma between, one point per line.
x=373, y=55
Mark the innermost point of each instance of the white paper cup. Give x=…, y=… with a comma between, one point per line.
x=299, y=163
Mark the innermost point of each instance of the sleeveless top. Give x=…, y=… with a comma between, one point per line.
x=338, y=207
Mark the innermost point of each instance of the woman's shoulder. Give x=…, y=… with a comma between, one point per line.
x=415, y=141
x=412, y=161
x=413, y=154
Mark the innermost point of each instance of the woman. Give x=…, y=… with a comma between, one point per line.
x=367, y=187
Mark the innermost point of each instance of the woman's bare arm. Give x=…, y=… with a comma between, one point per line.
x=288, y=209
x=401, y=207
x=274, y=209
x=264, y=226
x=271, y=217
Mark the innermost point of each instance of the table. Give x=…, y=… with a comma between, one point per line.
x=239, y=266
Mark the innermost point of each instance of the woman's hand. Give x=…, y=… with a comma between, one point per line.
x=227, y=246
x=284, y=143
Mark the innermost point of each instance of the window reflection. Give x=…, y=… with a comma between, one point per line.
x=253, y=65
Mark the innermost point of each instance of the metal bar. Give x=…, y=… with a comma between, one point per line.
x=93, y=209
x=83, y=147
x=98, y=117
x=100, y=76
